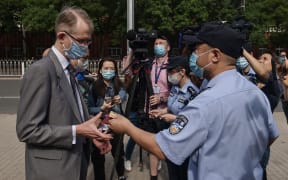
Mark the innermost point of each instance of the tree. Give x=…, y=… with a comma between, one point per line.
x=265, y=14
x=10, y=15
x=166, y=16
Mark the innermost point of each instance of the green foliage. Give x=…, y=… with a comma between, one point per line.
x=10, y=15
x=264, y=14
x=35, y=21
x=166, y=16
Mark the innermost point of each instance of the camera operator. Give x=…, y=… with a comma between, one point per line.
x=161, y=93
x=158, y=77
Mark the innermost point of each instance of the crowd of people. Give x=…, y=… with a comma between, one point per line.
x=207, y=114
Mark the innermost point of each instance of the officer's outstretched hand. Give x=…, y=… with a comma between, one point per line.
x=119, y=123
x=168, y=117
x=90, y=129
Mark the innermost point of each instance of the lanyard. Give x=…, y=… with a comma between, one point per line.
x=157, y=74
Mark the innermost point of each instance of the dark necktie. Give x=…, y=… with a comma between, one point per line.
x=73, y=82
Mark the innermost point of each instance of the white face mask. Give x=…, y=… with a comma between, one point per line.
x=174, y=78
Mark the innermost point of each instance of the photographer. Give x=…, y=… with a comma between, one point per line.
x=107, y=94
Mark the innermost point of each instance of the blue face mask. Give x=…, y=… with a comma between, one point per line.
x=197, y=70
x=76, y=51
x=159, y=50
x=241, y=63
x=281, y=59
x=108, y=74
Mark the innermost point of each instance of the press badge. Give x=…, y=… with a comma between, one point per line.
x=156, y=89
x=177, y=126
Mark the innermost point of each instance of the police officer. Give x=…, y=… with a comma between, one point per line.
x=182, y=91
x=225, y=130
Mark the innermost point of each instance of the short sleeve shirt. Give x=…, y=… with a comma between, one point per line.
x=159, y=79
x=180, y=97
x=224, y=130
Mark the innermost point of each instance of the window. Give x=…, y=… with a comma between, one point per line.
x=115, y=52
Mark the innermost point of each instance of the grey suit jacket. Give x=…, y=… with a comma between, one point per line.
x=47, y=110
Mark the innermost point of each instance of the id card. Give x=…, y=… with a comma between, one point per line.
x=156, y=89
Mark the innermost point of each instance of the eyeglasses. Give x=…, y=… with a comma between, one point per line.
x=79, y=41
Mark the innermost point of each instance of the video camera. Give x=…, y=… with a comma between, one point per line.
x=138, y=42
x=186, y=36
x=241, y=24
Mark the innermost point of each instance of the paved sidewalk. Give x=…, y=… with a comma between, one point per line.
x=12, y=154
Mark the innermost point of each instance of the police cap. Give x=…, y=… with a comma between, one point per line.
x=221, y=36
x=177, y=61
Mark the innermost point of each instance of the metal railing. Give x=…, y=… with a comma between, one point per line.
x=17, y=68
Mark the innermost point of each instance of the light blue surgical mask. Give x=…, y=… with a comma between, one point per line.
x=197, y=70
x=282, y=59
x=108, y=74
x=241, y=63
x=76, y=51
x=159, y=50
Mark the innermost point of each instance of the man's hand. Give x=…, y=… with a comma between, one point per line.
x=116, y=100
x=103, y=146
x=154, y=100
x=107, y=105
x=119, y=123
x=89, y=129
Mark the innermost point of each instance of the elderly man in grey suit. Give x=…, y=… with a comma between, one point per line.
x=52, y=118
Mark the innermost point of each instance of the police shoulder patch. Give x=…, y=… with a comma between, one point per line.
x=177, y=126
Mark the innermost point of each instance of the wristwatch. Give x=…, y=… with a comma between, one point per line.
x=162, y=100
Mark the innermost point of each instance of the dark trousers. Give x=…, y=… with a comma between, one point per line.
x=85, y=160
x=131, y=143
x=177, y=172
x=264, y=162
x=285, y=108
x=98, y=160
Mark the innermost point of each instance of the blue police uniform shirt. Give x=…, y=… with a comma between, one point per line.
x=224, y=131
x=179, y=97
